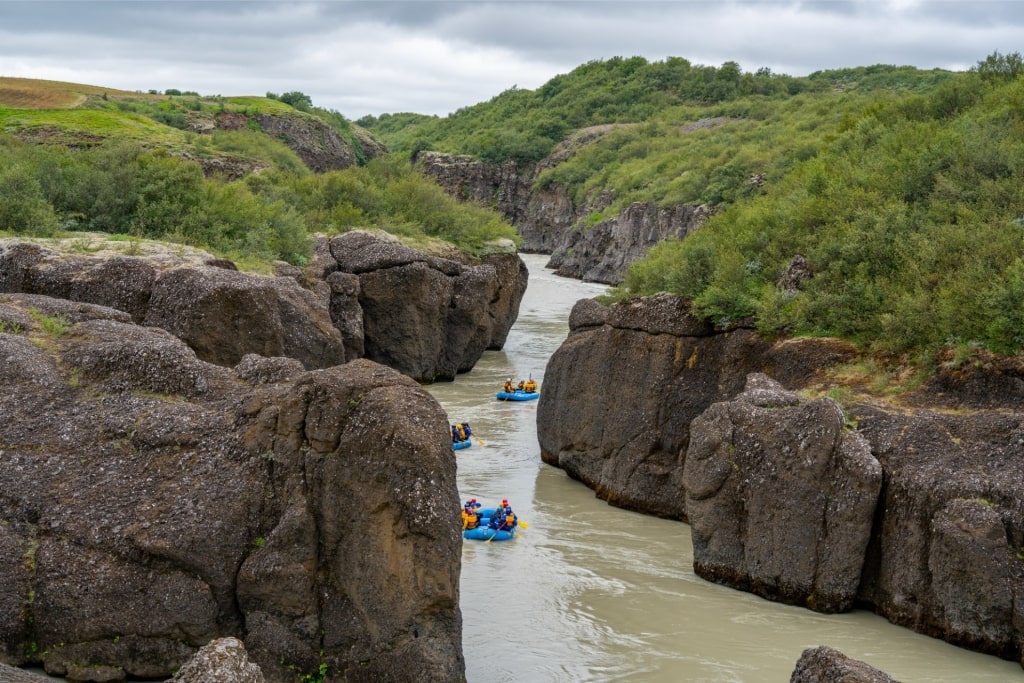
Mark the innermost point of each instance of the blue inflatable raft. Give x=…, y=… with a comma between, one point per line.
x=517, y=395
x=484, y=532
x=459, y=445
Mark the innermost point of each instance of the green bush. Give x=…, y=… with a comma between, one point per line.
x=122, y=188
x=910, y=215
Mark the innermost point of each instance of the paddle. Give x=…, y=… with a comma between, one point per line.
x=482, y=442
x=519, y=524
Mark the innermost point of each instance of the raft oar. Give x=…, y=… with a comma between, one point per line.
x=482, y=442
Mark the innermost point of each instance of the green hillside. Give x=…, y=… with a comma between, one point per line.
x=903, y=190
x=160, y=166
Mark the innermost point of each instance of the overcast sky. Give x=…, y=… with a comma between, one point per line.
x=434, y=57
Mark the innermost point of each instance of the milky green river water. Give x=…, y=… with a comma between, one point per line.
x=589, y=592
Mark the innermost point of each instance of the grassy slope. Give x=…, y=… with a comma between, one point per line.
x=74, y=113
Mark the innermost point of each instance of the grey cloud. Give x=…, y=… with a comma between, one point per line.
x=434, y=57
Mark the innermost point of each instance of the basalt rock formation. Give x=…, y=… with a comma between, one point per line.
x=320, y=146
x=781, y=496
x=583, y=242
x=668, y=367
x=152, y=502
x=910, y=509
x=429, y=317
x=365, y=295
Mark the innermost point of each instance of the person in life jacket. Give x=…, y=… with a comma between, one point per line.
x=530, y=385
x=470, y=519
x=464, y=431
x=509, y=387
x=498, y=516
x=455, y=434
x=508, y=519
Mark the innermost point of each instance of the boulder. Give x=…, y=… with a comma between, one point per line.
x=221, y=313
x=364, y=295
x=781, y=497
x=827, y=665
x=224, y=314
x=945, y=559
x=426, y=316
x=220, y=661
x=12, y=674
x=652, y=418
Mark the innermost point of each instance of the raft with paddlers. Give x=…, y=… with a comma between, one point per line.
x=490, y=524
x=461, y=434
x=525, y=390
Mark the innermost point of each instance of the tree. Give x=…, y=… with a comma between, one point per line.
x=297, y=99
x=1000, y=67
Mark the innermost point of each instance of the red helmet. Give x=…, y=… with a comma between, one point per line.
x=504, y=502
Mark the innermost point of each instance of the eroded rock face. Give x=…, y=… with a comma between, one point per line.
x=319, y=146
x=781, y=497
x=583, y=242
x=945, y=559
x=667, y=366
x=654, y=412
x=151, y=502
x=602, y=252
x=428, y=317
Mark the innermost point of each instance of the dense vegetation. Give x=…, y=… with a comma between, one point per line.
x=526, y=125
x=124, y=164
x=903, y=189
x=910, y=215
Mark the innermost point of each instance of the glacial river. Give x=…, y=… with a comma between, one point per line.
x=590, y=592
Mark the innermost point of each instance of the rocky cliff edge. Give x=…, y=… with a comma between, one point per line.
x=151, y=502
x=912, y=508
x=364, y=295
